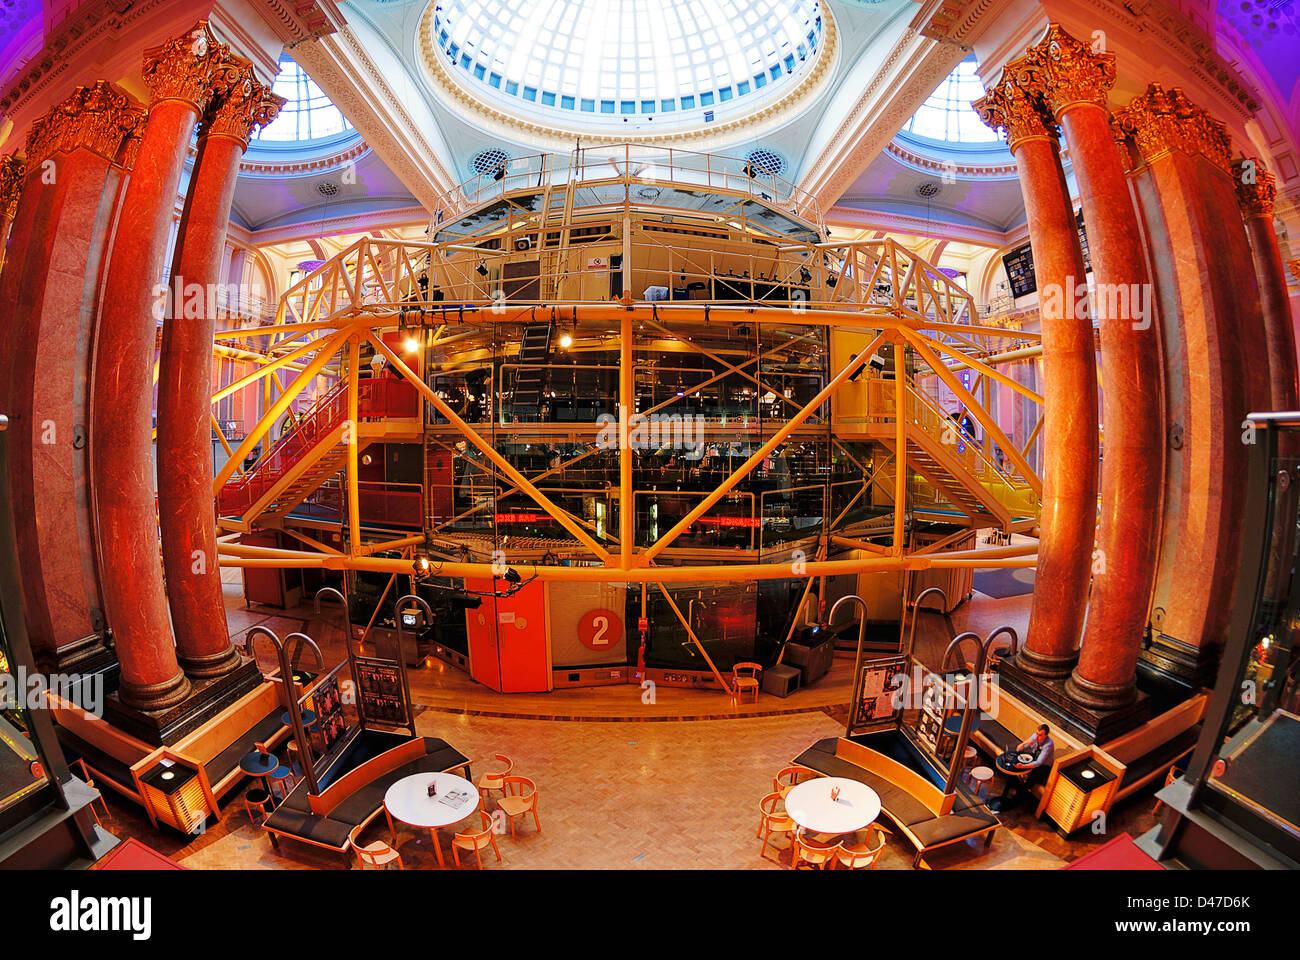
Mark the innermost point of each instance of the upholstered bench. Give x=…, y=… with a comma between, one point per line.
x=924, y=815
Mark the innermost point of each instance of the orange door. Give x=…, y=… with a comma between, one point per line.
x=507, y=638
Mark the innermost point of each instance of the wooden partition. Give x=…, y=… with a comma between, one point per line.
x=935, y=800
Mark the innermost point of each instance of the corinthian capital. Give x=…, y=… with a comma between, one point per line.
x=1064, y=71
x=1014, y=110
x=241, y=102
x=183, y=67
x=1256, y=188
x=1155, y=122
x=12, y=172
x=94, y=118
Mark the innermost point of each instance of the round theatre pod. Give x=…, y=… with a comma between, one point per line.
x=615, y=67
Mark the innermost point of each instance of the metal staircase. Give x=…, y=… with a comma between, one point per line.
x=533, y=352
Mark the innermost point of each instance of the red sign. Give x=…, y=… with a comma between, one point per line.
x=600, y=629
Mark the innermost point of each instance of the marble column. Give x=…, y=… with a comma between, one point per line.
x=186, y=516
x=1069, y=434
x=179, y=74
x=1074, y=83
x=1177, y=172
x=12, y=176
x=72, y=155
x=1256, y=190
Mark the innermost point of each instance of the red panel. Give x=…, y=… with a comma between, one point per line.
x=507, y=639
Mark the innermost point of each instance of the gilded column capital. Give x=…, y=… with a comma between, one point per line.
x=183, y=67
x=240, y=103
x=1256, y=188
x=94, y=118
x=1064, y=71
x=1154, y=122
x=13, y=170
x=131, y=143
x=1016, y=111
x=1295, y=267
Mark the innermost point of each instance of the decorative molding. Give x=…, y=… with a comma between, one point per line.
x=96, y=118
x=1015, y=110
x=264, y=167
x=1256, y=188
x=298, y=22
x=1061, y=72
x=473, y=107
x=950, y=165
x=12, y=174
x=1160, y=121
x=186, y=68
x=354, y=223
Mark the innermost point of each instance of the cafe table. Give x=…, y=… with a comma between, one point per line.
x=810, y=806
x=408, y=800
x=258, y=764
x=1007, y=764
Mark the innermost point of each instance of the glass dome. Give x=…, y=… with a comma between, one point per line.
x=947, y=117
x=308, y=115
x=608, y=61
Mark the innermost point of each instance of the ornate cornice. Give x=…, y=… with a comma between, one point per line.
x=12, y=173
x=967, y=170
x=262, y=167
x=1063, y=72
x=186, y=68
x=471, y=104
x=1016, y=111
x=1256, y=188
x=95, y=118
x=1160, y=121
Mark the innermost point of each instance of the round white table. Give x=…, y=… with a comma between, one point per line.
x=809, y=804
x=408, y=800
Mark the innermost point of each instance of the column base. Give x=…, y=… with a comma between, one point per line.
x=1045, y=665
x=212, y=666
x=1101, y=696
x=154, y=696
x=1052, y=698
x=1171, y=662
x=167, y=725
x=87, y=655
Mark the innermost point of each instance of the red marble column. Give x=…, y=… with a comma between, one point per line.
x=1074, y=83
x=1069, y=468
x=1256, y=191
x=185, y=506
x=72, y=160
x=1177, y=182
x=179, y=74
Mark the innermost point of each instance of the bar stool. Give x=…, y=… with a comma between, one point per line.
x=282, y=777
x=968, y=762
x=981, y=777
x=259, y=798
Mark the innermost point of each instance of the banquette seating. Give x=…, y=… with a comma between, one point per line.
x=923, y=814
x=356, y=797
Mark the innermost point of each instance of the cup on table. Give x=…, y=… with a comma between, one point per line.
x=835, y=794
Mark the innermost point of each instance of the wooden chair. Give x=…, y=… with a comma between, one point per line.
x=476, y=841
x=860, y=855
x=1170, y=777
x=774, y=820
x=494, y=779
x=819, y=853
x=259, y=798
x=376, y=855
x=520, y=798
x=744, y=677
x=796, y=774
x=85, y=775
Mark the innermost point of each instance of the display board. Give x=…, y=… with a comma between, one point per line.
x=1019, y=264
x=327, y=703
x=878, y=704
x=381, y=697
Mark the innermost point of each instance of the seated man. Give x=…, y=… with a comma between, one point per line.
x=1042, y=748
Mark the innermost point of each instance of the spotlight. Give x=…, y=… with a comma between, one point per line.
x=412, y=345
x=566, y=341
x=512, y=575
x=421, y=567
x=482, y=270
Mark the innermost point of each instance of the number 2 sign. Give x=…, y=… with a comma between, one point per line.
x=600, y=629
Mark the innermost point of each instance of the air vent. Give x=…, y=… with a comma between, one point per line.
x=485, y=161
x=766, y=161
x=327, y=189
x=928, y=190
